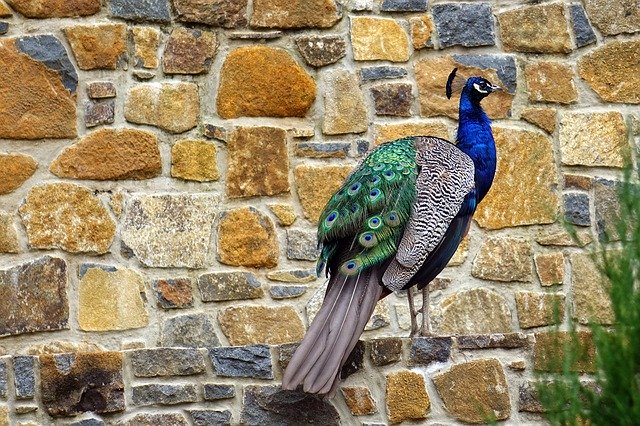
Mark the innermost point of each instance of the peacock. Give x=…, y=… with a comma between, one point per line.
x=394, y=224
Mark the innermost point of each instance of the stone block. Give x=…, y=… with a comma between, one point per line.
x=389, y=132
x=393, y=99
x=613, y=18
x=162, y=362
x=279, y=292
x=535, y=29
x=192, y=330
x=173, y=107
x=316, y=184
x=285, y=213
x=189, y=51
x=375, y=39
x=550, y=351
x=145, y=41
x=173, y=293
x=382, y=72
x=4, y=381
x=421, y=32
x=99, y=112
x=550, y=82
x=100, y=46
x=286, y=14
x=221, y=286
x=426, y=350
x=323, y=149
x=345, y=110
x=550, y=268
x=24, y=376
x=245, y=361
x=163, y=394
x=503, y=259
x=385, y=351
x=41, y=9
x=101, y=90
x=464, y=24
x=404, y=6
x=493, y=341
x=576, y=209
x=320, y=51
x=210, y=417
x=591, y=300
x=302, y=245
x=584, y=34
x=15, y=169
x=545, y=118
x=141, y=11
x=607, y=209
x=359, y=400
x=245, y=325
x=227, y=14
x=194, y=160
x=293, y=275
x=539, y=309
x=407, y=398
x=478, y=310
x=215, y=392
x=147, y=419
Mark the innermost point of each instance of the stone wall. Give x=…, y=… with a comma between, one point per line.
x=163, y=164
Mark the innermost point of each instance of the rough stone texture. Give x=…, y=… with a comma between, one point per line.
x=359, y=400
x=550, y=268
x=246, y=237
x=146, y=419
x=523, y=191
x=4, y=384
x=535, y=29
x=141, y=10
x=381, y=72
x=173, y=107
x=193, y=159
x=76, y=383
x=227, y=14
x=316, y=184
x=221, y=286
x=426, y=350
x=578, y=181
x=302, y=245
x=166, y=362
x=215, y=392
x=270, y=405
x=210, y=417
x=286, y=291
x=172, y=230
x=193, y=331
x=385, y=351
x=38, y=86
x=545, y=118
x=323, y=149
x=549, y=351
x=538, y=309
x=15, y=169
x=464, y=24
x=161, y=394
x=145, y=41
x=285, y=213
x=474, y=391
x=101, y=90
x=404, y=6
x=593, y=139
x=392, y=99
x=528, y=399
x=52, y=8
x=262, y=81
x=246, y=325
x=345, y=110
x=491, y=341
x=612, y=71
x=550, y=82
x=421, y=32
x=111, y=300
x=407, y=398
x=99, y=112
x=557, y=236
x=581, y=28
x=591, y=302
x=607, y=206
x=293, y=276
x=478, y=310
x=24, y=376
x=247, y=361
x=390, y=132
x=576, y=209
x=97, y=46
x=375, y=39
x=247, y=177
x=503, y=259
x=66, y=216
x=461, y=254
x=319, y=51
x=173, y=293
x=286, y=14
x=613, y=18
x=110, y=154
x=189, y=51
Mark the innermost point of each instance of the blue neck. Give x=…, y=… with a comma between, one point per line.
x=476, y=140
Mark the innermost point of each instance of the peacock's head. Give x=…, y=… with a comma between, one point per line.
x=477, y=88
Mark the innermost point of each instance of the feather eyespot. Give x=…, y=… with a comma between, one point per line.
x=355, y=188
x=378, y=167
x=355, y=208
x=375, y=194
x=368, y=239
x=374, y=222
x=392, y=219
x=375, y=179
x=389, y=174
x=351, y=267
x=331, y=219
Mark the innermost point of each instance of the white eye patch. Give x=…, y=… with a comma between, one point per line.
x=477, y=87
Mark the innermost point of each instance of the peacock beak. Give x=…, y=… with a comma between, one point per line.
x=495, y=88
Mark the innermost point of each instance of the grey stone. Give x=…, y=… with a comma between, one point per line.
x=385, y=351
x=165, y=419
x=166, y=362
x=272, y=406
x=221, y=286
x=24, y=409
x=382, y=72
x=101, y=90
x=50, y=51
x=4, y=27
x=354, y=362
x=88, y=422
x=528, y=399
x=607, y=209
x=157, y=394
x=425, y=350
x=576, y=209
x=194, y=330
x=212, y=131
x=3, y=378
x=143, y=75
x=302, y=245
x=505, y=66
x=210, y=417
x=287, y=291
x=393, y=99
x=214, y=392
x=464, y=24
x=319, y=51
x=173, y=293
x=362, y=147
x=97, y=112
x=491, y=341
x=24, y=376
x=581, y=28
x=293, y=275
x=141, y=10
x=254, y=35
x=404, y=5
x=84, y=267
x=323, y=149
x=242, y=361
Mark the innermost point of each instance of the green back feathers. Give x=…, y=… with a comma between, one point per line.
x=371, y=208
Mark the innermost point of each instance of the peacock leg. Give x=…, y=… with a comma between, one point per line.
x=412, y=313
x=425, y=330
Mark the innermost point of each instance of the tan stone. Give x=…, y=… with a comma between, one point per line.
x=524, y=188
x=259, y=81
x=316, y=185
x=613, y=71
x=35, y=102
x=550, y=268
x=557, y=236
x=538, y=309
x=431, y=78
x=55, y=8
x=421, y=30
x=8, y=234
x=550, y=82
x=285, y=213
x=116, y=202
x=5, y=12
x=4, y=416
x=15, y=169
x=591, y=301
x=549, y=351
x=545, y=118
x=174, y=107
x=503, y=259
x=475, y=391
x=576, y=181
x=593, y=139
x=296, y=14
x=111, y=300
x=375, y=39
x=246, y=237
x=536, y=29
x=249, y=325
x=66, y=216
x=247, y=177
x=359, y=400
x=101, y=90
x=189, y=51
x=407, y=398
x=614, y=17
x=110, y=154
x=461, y=253
x=145, y=42
x=63, y=347
x=344, y=107
x=475, y=311
x=389, y=132
x=194, y=160
x=97, y=46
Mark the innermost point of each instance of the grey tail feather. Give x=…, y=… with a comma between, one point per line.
x=334, y=332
